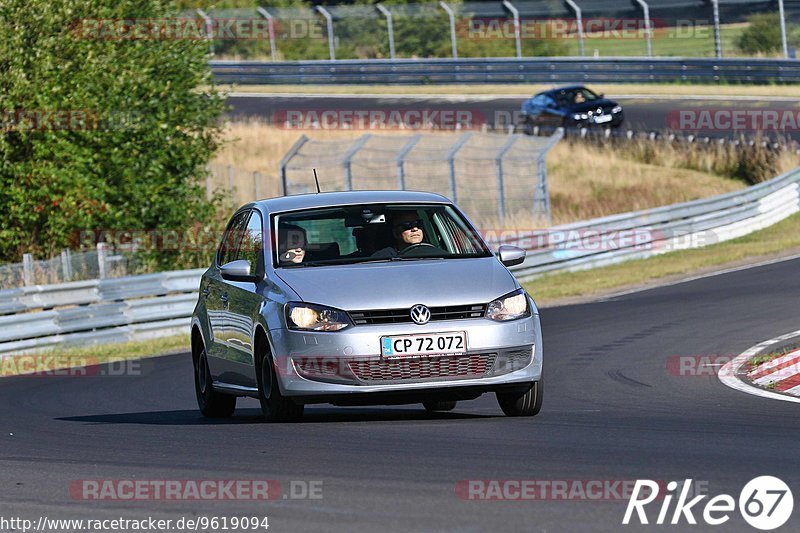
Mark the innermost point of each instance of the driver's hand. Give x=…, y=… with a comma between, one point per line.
x=295, y=255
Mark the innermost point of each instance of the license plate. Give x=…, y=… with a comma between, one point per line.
x=602, y=118
x=454, y=343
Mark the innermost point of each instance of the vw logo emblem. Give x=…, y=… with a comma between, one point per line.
x=420, y=314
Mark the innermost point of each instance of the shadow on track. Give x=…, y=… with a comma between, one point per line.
x=252, y=416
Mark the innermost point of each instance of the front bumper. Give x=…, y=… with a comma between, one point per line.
x=349, y=362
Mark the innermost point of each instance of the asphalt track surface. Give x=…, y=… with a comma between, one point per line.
x=641, y=113
x=612, y=411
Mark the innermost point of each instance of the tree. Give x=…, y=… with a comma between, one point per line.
x=102, y=128
x=762, y=35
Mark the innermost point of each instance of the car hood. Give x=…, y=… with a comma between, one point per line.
x=401, y=284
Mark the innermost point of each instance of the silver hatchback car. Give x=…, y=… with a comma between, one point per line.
x=362, y=298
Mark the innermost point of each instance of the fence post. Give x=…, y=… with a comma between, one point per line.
x=231, y=180
x=401, y=159
x=452, y=18
x=579, y=21
x=257, y=185
x=515, y=13
x=389, y=27
x=329, y=20
x=209, y=29
x=717, y=40
x=271, y=27
x=783, y=29
x=647, y=29
x=101, y=259
x=66, y=264
x=285, y=161
x=451, y=160
x=348, y=158
x=541, y=198
x=27, y=269
x=501, y=187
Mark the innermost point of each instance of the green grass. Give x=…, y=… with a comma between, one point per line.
x=762, y=244
x=666, y=42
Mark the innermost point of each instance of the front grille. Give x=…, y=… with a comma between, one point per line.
x=400, y=316
x=424, y=368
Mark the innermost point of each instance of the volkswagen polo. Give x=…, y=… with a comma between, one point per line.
x=362, y=298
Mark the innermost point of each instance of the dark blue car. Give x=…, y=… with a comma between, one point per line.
x=570, y=107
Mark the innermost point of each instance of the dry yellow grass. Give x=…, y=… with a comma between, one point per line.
x=590, y=181
x=585, y=181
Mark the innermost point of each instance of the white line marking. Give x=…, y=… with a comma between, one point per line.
x=727, y=374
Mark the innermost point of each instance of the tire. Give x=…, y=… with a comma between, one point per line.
x=274, y=406
x=212, y=404
x=527, y=403
x=432, y=406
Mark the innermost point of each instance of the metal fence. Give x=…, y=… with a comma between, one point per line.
x=100, y=263
x=489, y=70
x=507, y=28
x=493, y=178
x=240, y=186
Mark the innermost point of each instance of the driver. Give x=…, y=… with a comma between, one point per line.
x=407, y=232
x=407, y=229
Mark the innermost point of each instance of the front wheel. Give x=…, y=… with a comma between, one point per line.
x=527, y=403
x=274, y=406
x=212, y=404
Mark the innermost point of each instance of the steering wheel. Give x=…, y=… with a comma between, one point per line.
x=405, y=250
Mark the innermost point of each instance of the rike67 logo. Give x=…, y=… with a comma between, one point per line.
x=765, y=503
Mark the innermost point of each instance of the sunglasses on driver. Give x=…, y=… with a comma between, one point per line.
x=409, y=224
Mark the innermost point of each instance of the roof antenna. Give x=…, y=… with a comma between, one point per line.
x=316, y=180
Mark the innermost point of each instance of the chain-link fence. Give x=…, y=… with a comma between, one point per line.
x=240, y=186
x=100, y=263
x=495, y=179
x=511, y=28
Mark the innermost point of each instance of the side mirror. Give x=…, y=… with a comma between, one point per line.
x=511, y=255
x=238, y=270
x=601, y=95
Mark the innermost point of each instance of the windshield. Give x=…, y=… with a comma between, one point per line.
x=373, y=232
x=567, y=97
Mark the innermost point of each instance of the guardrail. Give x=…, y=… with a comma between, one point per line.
x=97, y=311
x=153, y=305
x=509, y=70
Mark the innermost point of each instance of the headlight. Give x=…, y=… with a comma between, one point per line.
x=509, y=307
x=616, y=109
x=580, y=116
x=312, y=317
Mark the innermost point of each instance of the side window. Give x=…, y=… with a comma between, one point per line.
x=230, y=241
x=252, y=243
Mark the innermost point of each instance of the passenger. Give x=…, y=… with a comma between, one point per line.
x=291, y=243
